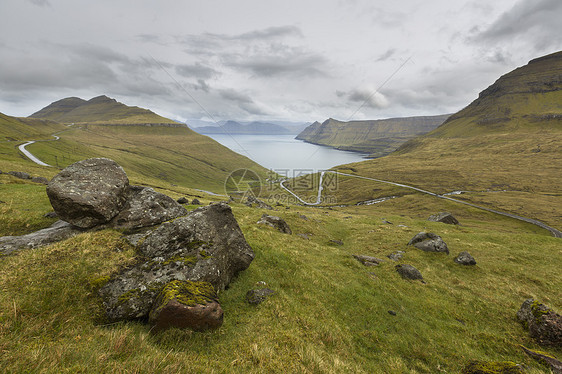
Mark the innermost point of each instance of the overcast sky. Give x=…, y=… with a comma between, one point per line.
x=303, y=60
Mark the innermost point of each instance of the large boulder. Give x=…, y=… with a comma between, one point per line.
x=544, y=324
x=145, y=207
x=89, y=192
x=429, y=242
x=186, y=304
x=206, y=245
x=444, y=217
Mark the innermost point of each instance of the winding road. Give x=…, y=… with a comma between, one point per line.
x=556, y=233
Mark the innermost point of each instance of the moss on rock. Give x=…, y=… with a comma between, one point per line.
x=188, y=293
x=492, y=367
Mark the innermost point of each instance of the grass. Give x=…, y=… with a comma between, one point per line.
x=329, y=313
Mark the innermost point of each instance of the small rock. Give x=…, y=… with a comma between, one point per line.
x=20, y=174
x=404, y=226
x=408, y=272
x=258, y=296
x=260, y=204
x=275, y=222
x=444, y=217
x=41, y=180
x=368, y=260
x=429, y=242
x=183, y=200
x=302, y=216
x=387, y=222
x=186, y=304
x=392, y=312
x=304, y=236
x=395, y=256
x=492, y=367
x=195, y=202
x=336, y=241
x=464, y=258
x=544, y=324
x=51, y=215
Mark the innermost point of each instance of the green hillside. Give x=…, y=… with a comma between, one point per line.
x=375, y=137
x=101, y=109
x=509, y=139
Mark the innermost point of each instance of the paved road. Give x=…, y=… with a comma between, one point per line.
x=556, y=233
x=31, y=156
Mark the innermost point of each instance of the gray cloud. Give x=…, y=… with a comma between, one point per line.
x=535, y=22
x=365, y=97
x=386, y=55
x=243, y=101
x=196, y=70
x=40, y=2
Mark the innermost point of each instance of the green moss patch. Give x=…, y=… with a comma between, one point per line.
x=188, y=293
x=492, y=367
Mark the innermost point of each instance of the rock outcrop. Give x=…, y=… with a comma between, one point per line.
x=58, y=231
x=89, y=192
x=368, y=260
x=544, y=324
x=206, y=245
x=429, y=242
x=444, y=217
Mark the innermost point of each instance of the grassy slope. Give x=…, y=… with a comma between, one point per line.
x=377, y=138
x=329, y=313
x=508, y=139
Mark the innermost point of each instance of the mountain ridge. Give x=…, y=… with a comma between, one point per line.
x=100, y=109
x=375, y=137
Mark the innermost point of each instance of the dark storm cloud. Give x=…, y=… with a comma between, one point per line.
x=537, y=22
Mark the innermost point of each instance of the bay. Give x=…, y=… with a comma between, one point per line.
x=286, y=155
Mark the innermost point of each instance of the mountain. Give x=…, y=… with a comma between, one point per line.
x=508, y=140
x=100, y=109
x=236, y=128
x=375, y=137
x=168, y=154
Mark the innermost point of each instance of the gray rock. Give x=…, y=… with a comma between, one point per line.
x=260, y=204
x=444, y=217
x=275, y=222
x=41, y=180
x=544, y=324
x=429, y=242
x=464, y=258
x=206, y=245
x=50, y=215
x=336, y=241
x=368, y=260
x=145, y=207
x=408, y=272
x=304, y=236
x=89, y=192
x=192, y=305
x=60, y=230
x=20, y=174
x=396, y=256
x=183, y=200
x=258, y=296
x=195, y=202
